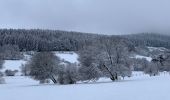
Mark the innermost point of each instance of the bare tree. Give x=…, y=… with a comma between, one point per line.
x=106, y=58
x=115, y=58
x=43, y=66
x=89, y=64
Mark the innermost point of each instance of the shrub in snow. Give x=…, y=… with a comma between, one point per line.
x=152, y=69
x=67, y=73
x=25, y=69
x=140, y=64
x=89, y=69
x=10, y=72
x=44, y=81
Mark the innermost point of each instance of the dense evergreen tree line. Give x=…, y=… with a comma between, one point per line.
x=55, y=40
x=150, y=39
x=45, y=40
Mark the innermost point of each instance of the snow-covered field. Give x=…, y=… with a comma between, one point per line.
x=138, y=87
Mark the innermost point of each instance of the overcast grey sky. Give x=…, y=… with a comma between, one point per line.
x=97, y=16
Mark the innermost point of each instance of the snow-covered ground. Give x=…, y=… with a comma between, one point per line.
x=13, y=65
x=143, y=57
x=71, y=57
x=138, y=87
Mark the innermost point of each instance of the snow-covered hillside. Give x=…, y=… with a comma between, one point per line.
x=149, y=52
x=138, y=87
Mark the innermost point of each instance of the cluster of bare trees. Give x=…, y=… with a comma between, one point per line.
x=45, y=66
x=108, y=58
x=158, y=64
x=99, y=55
x=10, y=52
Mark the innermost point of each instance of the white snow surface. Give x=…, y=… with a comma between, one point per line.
x=141, y=57
x=71, y=57
x=13, y=65
x=138, y=87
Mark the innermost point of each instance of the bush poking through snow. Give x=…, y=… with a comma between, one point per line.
x=44, y=81
x=10, y=72
x=68, y=73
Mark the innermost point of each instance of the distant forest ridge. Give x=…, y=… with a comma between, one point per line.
x=149, y=39
x=56, y=40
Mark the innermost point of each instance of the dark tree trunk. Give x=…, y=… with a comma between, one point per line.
x=112, y=76
x=116, y=77
x=53, y=79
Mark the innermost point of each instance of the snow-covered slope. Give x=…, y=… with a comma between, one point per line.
x=148, y=52
x=143, y=57
x=13, y=65
x=138, y=87
x=71, y=57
